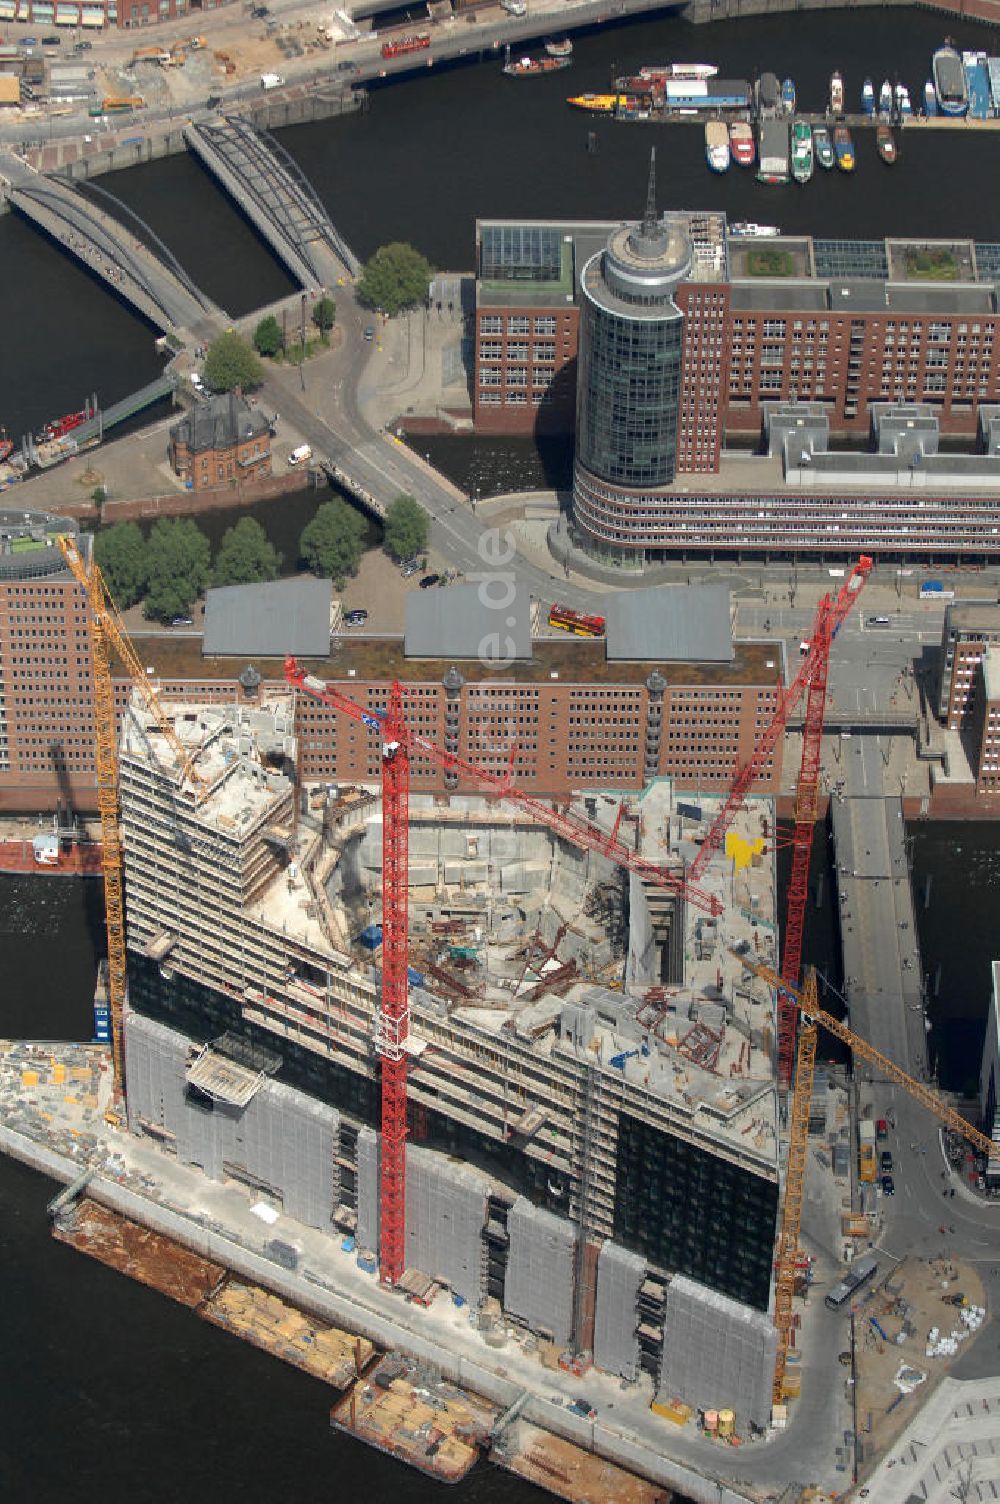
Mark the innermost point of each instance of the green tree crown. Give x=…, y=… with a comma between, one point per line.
x=178, y=557
x=267, y=336
x=120, y=552
x=324, y=314
x=332, y=544
x=407, y=528
x=396, y=277
x=231, y=363
x=245, y=555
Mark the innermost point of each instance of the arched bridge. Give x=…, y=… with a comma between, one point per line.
x=151, y=280
x=276, y=197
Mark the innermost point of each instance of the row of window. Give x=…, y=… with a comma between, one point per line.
x=517, y=323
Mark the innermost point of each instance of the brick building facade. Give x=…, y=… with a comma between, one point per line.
x=220, y=442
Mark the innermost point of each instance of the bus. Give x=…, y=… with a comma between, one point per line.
x=568, y=620
x=860, y=1272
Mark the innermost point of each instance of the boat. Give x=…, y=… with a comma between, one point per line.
x=745, y=229
x=868, y=97
x=559, y=47
x=977, y=83
x=885, y=98
x=886, y=143
x=595, y=104
x=773, y=152
x=58, y=854
x=823, y=147
x=634, y=106
x=678, y=70
x=58, y=428
x=741, y=143
x=903, y=105
x=532, y=67
x=930, y=100
x=836, y=94
x=788, y=97
x=717, y=145
x=6, y=450
x=950, y=84
x=843, y=146
x=802, y=151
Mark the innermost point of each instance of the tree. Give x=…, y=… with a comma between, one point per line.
x=245, y=555
x=332, y=544
x=407, y=528
x=324, y=313
x=396, y=277
x=231, y=363
x=178, y=556
x=267, y=336
x=121, y=556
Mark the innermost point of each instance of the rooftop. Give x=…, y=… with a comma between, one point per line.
x=674, y=623
x=977, y=616
x=269, y=620
x=465, y=621
x=219, y=422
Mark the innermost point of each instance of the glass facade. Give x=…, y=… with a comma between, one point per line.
x=628, y=393
x=692, y=1213
x=521, y=253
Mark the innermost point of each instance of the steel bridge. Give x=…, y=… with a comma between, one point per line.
x=276, y=197
x=128, y=257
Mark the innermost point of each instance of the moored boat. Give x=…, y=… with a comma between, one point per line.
x=823, y=147
x=802, y=151
x=678, y=70
x=595, y=104
x=950, y=84
x=773, y=152
x=532, y=67
x=836, y=94
x=903, y=105
x=886, y=143
x=717, y=145
x=885, y=98
x=930, y=100
x=844, y=148
x=741, y=143
x=6, y=449
x=559, y=47
x=868, y=97
x=788, y=96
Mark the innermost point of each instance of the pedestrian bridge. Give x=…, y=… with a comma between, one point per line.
x=132, y=261
x=276, y=197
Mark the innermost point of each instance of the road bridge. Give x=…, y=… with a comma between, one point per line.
x=155, y=284
x=276, y=197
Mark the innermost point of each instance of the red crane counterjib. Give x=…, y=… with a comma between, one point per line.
x=580, y=832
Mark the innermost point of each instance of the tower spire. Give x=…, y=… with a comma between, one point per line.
x=649, y=218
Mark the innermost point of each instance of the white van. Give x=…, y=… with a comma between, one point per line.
x=300, y=456
x=271, y=80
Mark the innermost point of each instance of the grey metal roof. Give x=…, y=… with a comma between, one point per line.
x=219, y=422
x=269, y=620
x=678, y=623
x=469, y=621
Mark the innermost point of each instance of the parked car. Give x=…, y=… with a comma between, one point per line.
x=408, y=567
x=356, y=618
x=197, y=382
x=182, y=621
x=29, y=42
x=82, y=46
x=888, y=1186
x=879, y=621
x=881, y=1130
x=213, y=101
x=429, y=580
x=369, y=333
x=345, y=66
x=52, y=41
x=885, y=1162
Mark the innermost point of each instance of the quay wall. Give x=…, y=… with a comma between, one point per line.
x=376, y=1326
x=701, y=12
x=180, y=503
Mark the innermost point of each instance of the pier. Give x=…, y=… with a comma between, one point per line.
x=276, y=197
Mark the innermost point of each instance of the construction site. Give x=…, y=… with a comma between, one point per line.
x=585, y=1063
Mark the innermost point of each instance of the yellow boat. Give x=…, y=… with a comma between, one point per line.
x=596, y=104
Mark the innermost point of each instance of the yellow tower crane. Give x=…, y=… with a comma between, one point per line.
x=811, y=1015
x=107, y=633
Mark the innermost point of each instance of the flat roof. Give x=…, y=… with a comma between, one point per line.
x=991, y=674
x=979, y=615
x=672, y=623
x=269, y=620
x=468, y=621
x=380, y=660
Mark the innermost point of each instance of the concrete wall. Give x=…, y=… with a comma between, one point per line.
x=445, y=1214
x=616, y=1345
x=539, y=1285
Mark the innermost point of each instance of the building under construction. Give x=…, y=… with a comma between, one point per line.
x=593, y=1137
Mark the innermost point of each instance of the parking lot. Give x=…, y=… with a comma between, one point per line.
x=380, y=589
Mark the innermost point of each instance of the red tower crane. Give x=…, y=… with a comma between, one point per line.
x=392, y=1024
x=829, y=613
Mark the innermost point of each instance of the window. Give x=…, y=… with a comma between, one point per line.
x=490, y=324
x=518, y=323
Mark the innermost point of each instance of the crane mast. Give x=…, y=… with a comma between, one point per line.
x=107, y=632
x=805, y=1003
